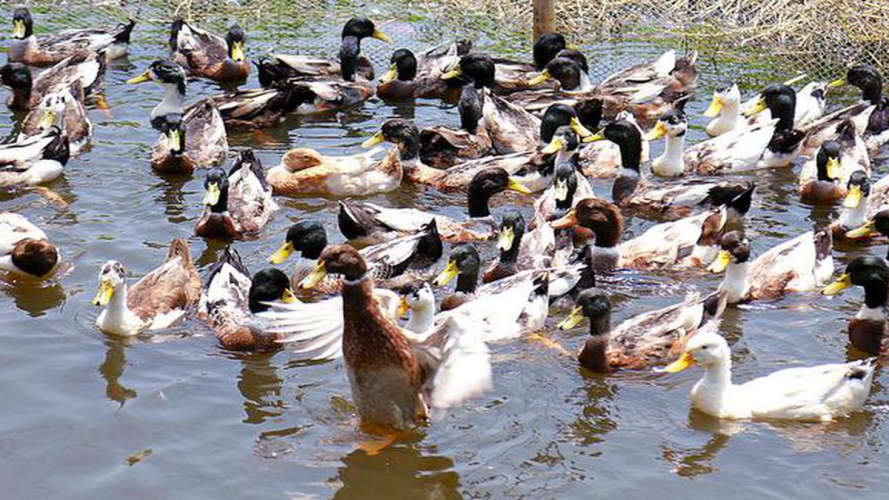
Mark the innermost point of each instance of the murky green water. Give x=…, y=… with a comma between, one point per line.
x=77, y=403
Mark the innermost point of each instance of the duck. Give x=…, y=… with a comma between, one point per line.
x=726, y=108
x=368, y=222
x=690, y=242
x=569, y=186
x=867, y=329
x=197, y=139
x=519, y=250
x=25, y=250
x=64, y=109
x=772, y=144
x=404, y=81
x=50, y=49
x=672, y=201
x=204, y=54
x=601, y=159
x=876, y=226
x=642, y=341
x=823, y=179
x=863, y=200
x=251, y=109
x=390, y=261
x=875, y=130
x=813, y=393
x=511, y=128
x=351, y=64
x=232, y=298
x=36, y=160
x=647, y=90
x=514, y=76
x=238, y=204
x=172, y=78
x=86, y=68
x=159, y=300
x=304, y=171
x=417, y=376
x=800, y=264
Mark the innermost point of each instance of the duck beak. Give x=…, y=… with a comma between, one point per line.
x=18, y=29
x=853, y=197
x=174, y=141
x=315, y=277
x=379, y=35
x=722, y=260
x=684, y=361
x=514, y=185
x=212, y=196
x=839, y=82
x=833, y=168
x=568, y=220
x=288, y=297
x=48, y=118
x=542, y=77
x=758, y=106
x=449, y=273
x=659, y=130
x=237, y=52
x=374, y=140
x=554, y=146
x=104, y=295
x=506, y=239
x=864, y=231
x=594, y=138
x=841, y=283
x=715, y=106
x=282, y=253
x=454, y=73
x=573, y=319
x=403, y=307
x=578, y=128
x=390, y=75
x=560, y=190
x=144, y=77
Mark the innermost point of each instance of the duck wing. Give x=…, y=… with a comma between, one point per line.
x=670, y=243
x=796, y=265
x=168, y=291
x=206, y=141
x=249, y=195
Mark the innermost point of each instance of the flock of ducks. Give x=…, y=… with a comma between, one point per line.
x=540, y=129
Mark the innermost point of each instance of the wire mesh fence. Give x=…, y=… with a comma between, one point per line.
x=818, y=36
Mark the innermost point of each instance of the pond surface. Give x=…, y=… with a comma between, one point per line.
x=77, y=403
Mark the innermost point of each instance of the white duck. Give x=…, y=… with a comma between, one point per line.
x=24, y=248
x=813, y=393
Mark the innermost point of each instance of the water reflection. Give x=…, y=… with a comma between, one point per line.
x=112, y=368
x=260, y=385
x=400, y=468
x=595, y=421
x=32, y=296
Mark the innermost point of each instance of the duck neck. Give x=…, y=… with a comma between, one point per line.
x=872, y=93
x=728, y=117
x=671, y=161
x=360, y=310
x=477, y=202
x=735, y=281
x=117, y=312
x=594, y=355
x=717, y=379
x=409, y=148
x=421, y=319
x=875, y=296
x=174, y=101
x=467, y=281
x=625, y=184
x=21, y=98
x=854, y=217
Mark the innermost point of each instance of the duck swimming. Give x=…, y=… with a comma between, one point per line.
x=815, y=393
x=25, y=249
x=726, y=108
x=207, y=55
x=158, y=300
x=35, y=160
x=50, y=49
x=195, y=140
x=85, y=68
x=823, y=179
x=876, y=131
x=238, y=204
x=64, y=109
x=172, y=78
x=867, y=329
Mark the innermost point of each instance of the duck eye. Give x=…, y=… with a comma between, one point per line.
x=704, y=347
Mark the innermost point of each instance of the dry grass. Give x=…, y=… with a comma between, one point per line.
x=818, y=33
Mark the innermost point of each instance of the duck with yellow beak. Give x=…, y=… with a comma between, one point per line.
x=159, y=300
x=63, y=109
x=868, y=328
x=207, y=55
x=861, y=200
x=814, y=393
x=172, y=78
x=823, y=179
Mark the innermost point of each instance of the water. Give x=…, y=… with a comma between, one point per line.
x=77, y=403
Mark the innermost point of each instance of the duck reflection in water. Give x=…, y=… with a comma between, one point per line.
x=402, y=471
x=260, y=386
x=112, y=368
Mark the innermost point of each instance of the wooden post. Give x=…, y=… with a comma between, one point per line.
x=544, y=17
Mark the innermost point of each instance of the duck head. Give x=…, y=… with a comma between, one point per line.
x=477, y=69
x=403, y=133
x=269, y=285
x=672, y=124
x=576, y=56
x=165, y=72
x=857, y=190
x=878, y=225
x=865, y=77
x=512, y=228
x=307, y=237
x=485, y=184
x=216, y=191
x=627, y=137
x=728, y=98
x=463, y=264
x=112, y=278
x=557, y=116
x=235, y=39
x=567, y=71
x=870, y=273
x=344, y=260
x=361, y=28
x=706, y=348
x=602, y=217
x=564, y=185
x=594, y=305
x=415, y=295
x=37, y=257
x=734, y=249
x=546, y=47
x=589, y=112
x=17, y=77
x=780, y=100
x=22, y=24
x=827, y=161
x=402, y=66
